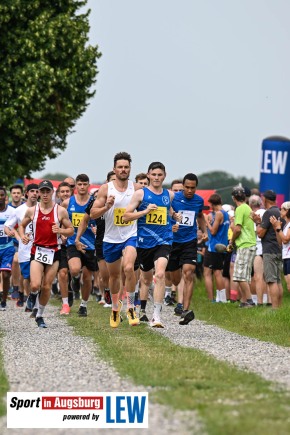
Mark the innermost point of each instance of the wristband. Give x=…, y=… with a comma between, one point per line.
x=278, y=230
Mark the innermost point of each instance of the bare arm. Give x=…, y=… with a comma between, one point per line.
x=130, y=213
x=202, y=224
x=213, y=229
x=23, y=224
x=102, y=203
x=236, y=232
x=277, y=225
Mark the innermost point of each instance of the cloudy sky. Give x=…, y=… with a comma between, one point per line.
x=195, y=84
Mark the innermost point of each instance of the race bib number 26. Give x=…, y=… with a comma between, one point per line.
x=44, y=255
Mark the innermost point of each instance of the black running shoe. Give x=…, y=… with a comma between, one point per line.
x=178, y=309
x=168, y=301
x=186, y=317
x=40, y=322
x=82, y=311
x=107, y=296
x=143, y=317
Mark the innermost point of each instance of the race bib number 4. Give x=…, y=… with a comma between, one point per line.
x=187, y=217
x=44, y=255
x=76, y=219
x=118, y=218
x=157, y=217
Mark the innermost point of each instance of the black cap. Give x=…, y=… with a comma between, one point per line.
x=32, y=186
x=270, y=195
x=45, y=184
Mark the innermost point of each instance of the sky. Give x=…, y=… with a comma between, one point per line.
x=195, y=84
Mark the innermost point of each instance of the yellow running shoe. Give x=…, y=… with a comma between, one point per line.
x=132, y=318
x=115, y=317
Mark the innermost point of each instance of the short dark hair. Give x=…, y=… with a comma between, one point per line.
x=3, y=188
x=63, y=184
x=141, y=176
x=122, y=156
x=190, y=176
x=175, y=182
x=156, y=165
x=16, y=186
x=110, y=174
x=215, y=199
x=239, y=193
x=82, y=177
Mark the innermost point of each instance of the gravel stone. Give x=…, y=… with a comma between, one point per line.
x=54, y=359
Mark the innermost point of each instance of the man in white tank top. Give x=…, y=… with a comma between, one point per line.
x=120, y=237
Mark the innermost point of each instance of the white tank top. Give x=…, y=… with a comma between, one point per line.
x=116, y=231
x=286, y=246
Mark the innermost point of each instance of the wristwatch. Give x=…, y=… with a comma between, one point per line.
x=278, y=230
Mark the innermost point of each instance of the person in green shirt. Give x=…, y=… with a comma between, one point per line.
x=244, y=238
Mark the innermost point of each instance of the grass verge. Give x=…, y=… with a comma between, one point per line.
x=261, y=323
x=4, y=386
x=228, y=400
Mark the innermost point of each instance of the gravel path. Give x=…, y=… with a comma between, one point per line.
x=270, y=361
x=52, y=360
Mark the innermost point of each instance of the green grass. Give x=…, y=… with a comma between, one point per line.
x=262, y=323
x=228, y=400
x=4, y=386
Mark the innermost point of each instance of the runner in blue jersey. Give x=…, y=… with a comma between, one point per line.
x=183, y=256
x=7, y=249
x=76, y=206
x=154, y=233
x=218, y=225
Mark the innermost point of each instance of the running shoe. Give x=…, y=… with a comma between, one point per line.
x=102, y=301
x=82, y=311
x=156, y=323
x=3, y=306
x=107, y=305
x=33, y=313
x=65, y=310
x=40, y=322
x=186, y=317
x=245, y=305
x=143, y=317
x=115, y=317
x=132, y=318
x=19, y=303
x=168, y=301
x=15, y=294
x=178, y=309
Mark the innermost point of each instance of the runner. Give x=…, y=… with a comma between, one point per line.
x=120, y=236
x=50, y=221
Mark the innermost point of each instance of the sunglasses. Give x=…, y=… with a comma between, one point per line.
x=72, y=186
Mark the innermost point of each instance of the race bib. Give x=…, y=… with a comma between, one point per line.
x=2, y=234
x=157, y=217
x=76, y=219
x=118, y=217
x=187, y=217
x=44, y=255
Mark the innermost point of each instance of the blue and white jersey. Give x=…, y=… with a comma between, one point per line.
x=5, y=241
x=154, y=228
x=14, y=220
x=76, y=213
x=222, y=234
x=189, y=208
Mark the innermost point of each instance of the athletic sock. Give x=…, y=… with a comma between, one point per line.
x=40, y=310
x=130, y=299
x=65, y=301
x=115, y=301
x=84, y=303
x=157, y=310
x=168, y=291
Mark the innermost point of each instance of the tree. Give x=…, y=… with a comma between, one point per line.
x=223, y=183
x=47, y=69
